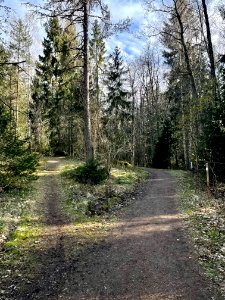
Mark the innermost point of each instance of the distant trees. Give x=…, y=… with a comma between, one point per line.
x=191, y=92
x=78, y=12
x=164, y=109
x=20, y=45
x=17, y=163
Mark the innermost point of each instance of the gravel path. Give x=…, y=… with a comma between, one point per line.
x=146, y=256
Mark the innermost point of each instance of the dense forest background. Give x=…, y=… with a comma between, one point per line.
x=164, y=109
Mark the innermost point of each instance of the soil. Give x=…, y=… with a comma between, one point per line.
x=147, y=255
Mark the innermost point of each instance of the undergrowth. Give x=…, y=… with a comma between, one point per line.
x=14, y=204
x=20, y=232
x=21, y=214
x=206, y=216
x=87, y=200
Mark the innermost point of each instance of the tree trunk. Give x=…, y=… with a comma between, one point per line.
x=185, y=50
x=209, y=41
x=17, y=100
x=96, y=113
x=133, y=127
x=87, y=119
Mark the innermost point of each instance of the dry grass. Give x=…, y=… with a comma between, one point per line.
x=206, y=221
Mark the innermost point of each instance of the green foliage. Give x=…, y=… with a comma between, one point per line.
x=118, y=102
x=56, y=92
x=92, y=172
x=17, y=163
x=213, y=137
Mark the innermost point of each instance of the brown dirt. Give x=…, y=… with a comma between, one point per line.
x=146, y=256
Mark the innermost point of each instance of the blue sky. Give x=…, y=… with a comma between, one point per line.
x=120, y=9
x=129, y=43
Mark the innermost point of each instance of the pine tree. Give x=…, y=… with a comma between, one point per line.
x=187, y=77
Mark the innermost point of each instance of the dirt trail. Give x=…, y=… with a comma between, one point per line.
x=146, y=256
x=51, y=256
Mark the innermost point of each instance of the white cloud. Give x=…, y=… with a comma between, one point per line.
x=217, y=25
x=129, y=45
x=124, y=8
x=127, y=41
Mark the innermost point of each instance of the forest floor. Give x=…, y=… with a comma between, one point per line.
x=142, y=254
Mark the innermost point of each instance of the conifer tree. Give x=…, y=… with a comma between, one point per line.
x=118, y=113
x=44, y=87
x=117, y=98
x=56, y=89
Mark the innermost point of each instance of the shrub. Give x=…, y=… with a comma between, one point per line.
x=92, y=172
x=17, y=163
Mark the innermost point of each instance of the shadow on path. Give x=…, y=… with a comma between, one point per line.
x=146, y=256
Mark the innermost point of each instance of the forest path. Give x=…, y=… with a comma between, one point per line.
x=145, y=256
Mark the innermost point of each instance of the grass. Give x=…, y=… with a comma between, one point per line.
x=21, y=231
x=24, y=234
x=13, y=206
x=82, y=201
x=206, y=220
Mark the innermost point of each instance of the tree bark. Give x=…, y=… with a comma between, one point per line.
x=86, y=105
x=209, y=41
x=185, y=50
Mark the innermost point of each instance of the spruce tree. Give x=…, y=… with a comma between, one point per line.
x=117, y=115
x=70, y=92
x=44, y=90
x=56, y=91
x=118, y=103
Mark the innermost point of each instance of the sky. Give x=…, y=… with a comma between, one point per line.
x=129, y=42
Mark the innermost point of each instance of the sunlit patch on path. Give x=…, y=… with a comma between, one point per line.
x=143, y=255
x=146, y=256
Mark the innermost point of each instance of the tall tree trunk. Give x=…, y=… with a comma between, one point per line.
x=185, y=51
x=87, y=119
x=189, y=69
x=17, y=100
x=133, y=126
x=209, y=41
x=96, y=113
